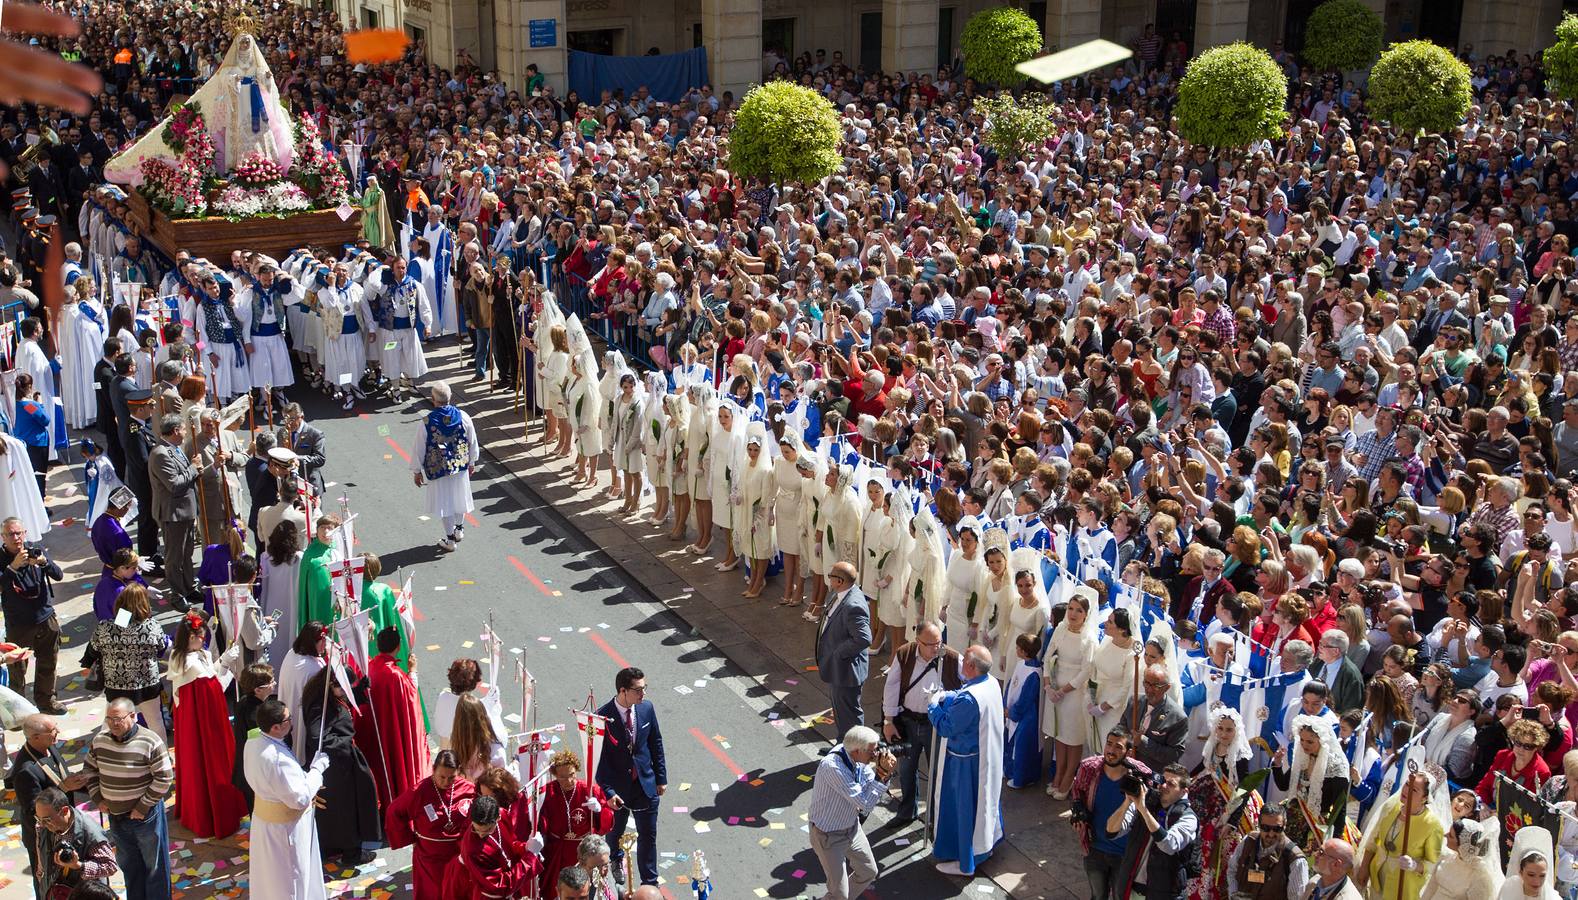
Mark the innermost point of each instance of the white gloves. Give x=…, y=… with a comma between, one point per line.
x=534, y=843
x=1407, y=863
x=320, y=762
x=593, y=805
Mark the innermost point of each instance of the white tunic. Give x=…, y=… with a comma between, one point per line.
x=285, y=864
x=787, y=506
x=294, y=673
x=407, y=300
x=1068, y=661
x=82, y=347
x=964, y=577
x=277, y=594
x=19, y=493
x=34, y=362
x=451, y=495
x=344, y=352
x=225, y=378
x=270, y=359
x=1112, y=668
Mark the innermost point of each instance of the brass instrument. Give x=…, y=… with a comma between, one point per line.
x=627, y=843
x=28, y=158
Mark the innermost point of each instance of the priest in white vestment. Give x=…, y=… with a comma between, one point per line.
x=285, y=864
x=35, y=362
x=969, y=781
x=442, y=458
x=81, y=347
x=19, y=494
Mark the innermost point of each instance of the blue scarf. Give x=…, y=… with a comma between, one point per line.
x=255, y=94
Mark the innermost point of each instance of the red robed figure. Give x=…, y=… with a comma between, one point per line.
x=499, y=865
x=434, y=821
x=402, y=738
x=564, y=821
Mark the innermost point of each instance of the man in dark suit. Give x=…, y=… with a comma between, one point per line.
x=1333, y=667
x=174, y=481
x=632, y=770
x=842, y=639
x=1163, y=725
x=306, y=442
x=108, y=410
x=1205, y=590
x=137, y=433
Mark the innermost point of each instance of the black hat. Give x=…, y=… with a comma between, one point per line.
x=45, y=221
x=29, y=213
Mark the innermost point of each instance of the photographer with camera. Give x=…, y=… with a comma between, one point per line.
x=850, y=780
x=921, y=668
x=27, y=599
x=1163, y=835
x=71, y=849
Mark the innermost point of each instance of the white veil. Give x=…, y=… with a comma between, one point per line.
x=1528, y=840
x=1240, y=748
x=1162, y=635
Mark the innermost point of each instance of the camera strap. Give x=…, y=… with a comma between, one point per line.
x=916, y=678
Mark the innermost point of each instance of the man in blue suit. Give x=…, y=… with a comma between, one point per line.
x=842, y=642
x=632, y=769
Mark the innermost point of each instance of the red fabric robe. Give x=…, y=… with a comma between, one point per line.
x=402, y=738
x=206, y=801
x=437, y=837
x=564, y=824
x=499, y=865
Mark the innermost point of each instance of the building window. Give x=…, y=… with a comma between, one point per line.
x=695, y=35
x=871, y=41
x=604, y=41
x=778, y=34
x=369, y=18
x=418, y=34
x=945, y=36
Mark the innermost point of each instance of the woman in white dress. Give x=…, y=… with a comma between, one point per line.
x=966, y=585
x=675, y=461
x=1068, y=660
x=1467, y=870
x=1028, y=613
x=789, y=513
x=992, y=610
x=882, y=566
x=584, y=406
x=813, y=494
x=653, y=425
x=553, y=372
x=698, y=462
x=626, y=448
x=758, y=490
x=301, y=662
x=925, y=576
x=1113, y=669
x=728, y=457
x=842, y=514
x=608, y=392
x=1161, y=650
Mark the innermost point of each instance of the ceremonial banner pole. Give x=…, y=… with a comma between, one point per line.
x=268, y=404
x=595, y=727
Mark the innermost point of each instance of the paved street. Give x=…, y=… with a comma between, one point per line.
x=740, y=750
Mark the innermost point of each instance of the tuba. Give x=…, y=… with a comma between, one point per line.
x=28, y=158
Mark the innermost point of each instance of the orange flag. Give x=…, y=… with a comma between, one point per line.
x=375, y=45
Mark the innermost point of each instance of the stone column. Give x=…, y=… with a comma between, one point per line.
x=552, y=61
x=1071, y=23
x=909, y=35
x=1493, y=26
x=1219, y=22
x=731, y=30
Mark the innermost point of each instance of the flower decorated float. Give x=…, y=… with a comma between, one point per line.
x=231, y=168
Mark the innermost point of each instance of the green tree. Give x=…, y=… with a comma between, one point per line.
x=1232, y=96
x=1419, y=86
x=1342, y=34
x=784, y=132
x=995, y=40
x=1014, y=125
x=1561, y=59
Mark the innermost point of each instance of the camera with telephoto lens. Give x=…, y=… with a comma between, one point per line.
x=1132, y=781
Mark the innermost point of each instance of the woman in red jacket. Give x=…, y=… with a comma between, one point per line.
x=1521, y=762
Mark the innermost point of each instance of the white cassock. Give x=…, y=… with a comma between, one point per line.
x=406, y=301
x=294, y=673
x=226, y=379
x=346, y=324
x=969, y=779
x=35, y=363
x=269, y=361
x=284, y=844
x=19, y=490
x=450, y=495
x=82, y=346
x=277, y=593
x=446, y=319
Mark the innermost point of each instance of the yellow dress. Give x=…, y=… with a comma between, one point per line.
x=1425, y=839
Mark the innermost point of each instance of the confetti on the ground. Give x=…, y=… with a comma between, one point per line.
x=432, y=647
x=777, y=826
x=685, y=786
x=803, y=777
x=797, y=873
x=423, y=518
x=463, y=582
x=440, y=587
x=680, y=688
x=682, y=809
x=761, y=892
x=703, y=828
x=468, y=644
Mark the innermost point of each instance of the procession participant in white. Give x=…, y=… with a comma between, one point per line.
x=440, y=249
x=925, y=579
x=347, y=326
x=609, y=388
x=553, y=373
x=262, y=307
x=674, y=458
x=35, y=362
x=992, y=611
x=19, y=494
x=965, y=578
x=1112, y=670
x=1067, y=659
x=584, y=406
x=969, y=780
x=284, y=860
x=443, y=457
x=758, y=488
x=1531, y=866
x=403, y=312
x=789, y=513
x=626, y=449
x=81, y=347
x=728, y=458
x=220, y=333
x=882, y=563
x=653, y=422
x=699, y=462
x=1027, y=613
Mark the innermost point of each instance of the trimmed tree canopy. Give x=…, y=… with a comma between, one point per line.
x=1418, y=86
x=1012, y=126
x=784, y=132
x=1232, y=96
x=995, y=40
x=1561, y=59
x=1342, y=34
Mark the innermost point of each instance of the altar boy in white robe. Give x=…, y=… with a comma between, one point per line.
x=966, y=791
x=81, y=348
x=285, y=864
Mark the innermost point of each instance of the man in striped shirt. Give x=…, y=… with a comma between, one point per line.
x=129, y=777
x=847, y=787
